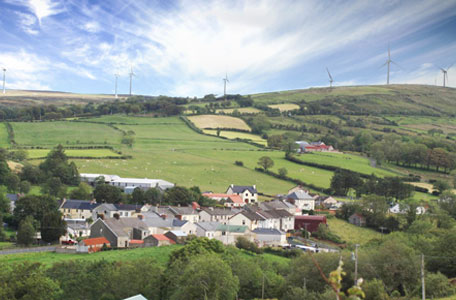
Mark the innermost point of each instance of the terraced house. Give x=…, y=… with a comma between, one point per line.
x=249, y=194
x=78, y=209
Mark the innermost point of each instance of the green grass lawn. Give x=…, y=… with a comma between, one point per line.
x=6, y=245
x=347, y=161
x=240, y=135
x=132, y=120
x=160, y=254
x=4, y=143
x=95, y=153
x=65, y=133
x=352, y=234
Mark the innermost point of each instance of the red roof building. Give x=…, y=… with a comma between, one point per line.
x=309, y=223
x=95, y=244
x=230, y=200
x=156, y=240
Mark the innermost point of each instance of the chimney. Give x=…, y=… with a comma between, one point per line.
x=163, y=217
x=254, y=186
x=232, y=185
x=140, y=217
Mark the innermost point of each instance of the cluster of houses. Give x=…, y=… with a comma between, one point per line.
x=239, y=214
x=305, y=147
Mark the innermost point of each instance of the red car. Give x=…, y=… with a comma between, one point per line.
x=68, y=242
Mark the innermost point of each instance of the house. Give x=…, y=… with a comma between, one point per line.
x=95, y=244
x=77, y=228
x=247, y=218
x=269, y=237
x=177, y=236
x=305, y=147
x=119, y=231
x=249, y=194
x=13, y=198
x=77, y=209
x=108, y=210
x=162, y=224
x=185, y=213
x=357, y=219
x=157, y=240
x=212, y=214
x=402, y=209
x=301, y=199
x=279, y=205
x=309, y=223
x=227, y=234
x=228, y=200
x=327, y=202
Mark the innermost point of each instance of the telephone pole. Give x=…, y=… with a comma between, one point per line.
x=423, y=289
x=356, y=263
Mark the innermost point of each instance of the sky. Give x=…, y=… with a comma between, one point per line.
x=185, y=48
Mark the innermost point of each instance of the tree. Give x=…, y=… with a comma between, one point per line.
x=106, y=193
x=265, y=162
x=343, y=180
x=441, y=186
x=82, y=192
x=34, y=206
x=12, y=183
x=153, y=196
x=54, y=187
x=438, y=285
x=24, y=186
x=138, y=196
x=32, y=174
x=206, y=277
x=4, y=203
x=218, y=131
x=56, y=165
x=52, y=226
x=180, y=195
x=26, y=232
x=283, y=172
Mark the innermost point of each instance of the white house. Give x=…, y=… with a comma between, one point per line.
x=229, y=200
x=249, y=194
x=269, y=237
x=301, y=199
x=221, y=215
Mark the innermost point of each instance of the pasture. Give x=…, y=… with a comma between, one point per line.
x=65, y=133
x=347, y=161
x=352, y=234
x=217, y=121
x=95, y=153
x=284, y=107
x=238, y=135
x=4, y=142
x=242, y=110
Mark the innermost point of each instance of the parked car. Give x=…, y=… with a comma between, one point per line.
x=69, y=242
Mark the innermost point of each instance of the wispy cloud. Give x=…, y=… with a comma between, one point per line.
x=43, y=8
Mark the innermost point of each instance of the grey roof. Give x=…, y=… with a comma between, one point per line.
x=128, y=206
x=137, y=297
x=300, y=195
x=12, y=197
x=251, y=215
x=269, y=231
x=221, y=211
x=153, y=220
x=122, y=226
x=183, y=210
x=79, y=204
x=232, y=228
x=208, y=226
x=106, y=206
x=275, y=204
x=178, y=233
x=77, y=224
x=275, y=214
x=239, y=189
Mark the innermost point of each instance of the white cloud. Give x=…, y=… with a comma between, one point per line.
x=27, y=23
x=92, y=27
x=43, y=8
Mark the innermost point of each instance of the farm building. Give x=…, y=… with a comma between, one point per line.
x=157, y=240
x=95, y=244
x=177, y=236
x=128, y=184
x=305, y=147
x=269, y=237
x=309, y=223
x=357, y=219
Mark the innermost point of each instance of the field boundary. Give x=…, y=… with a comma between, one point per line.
x=10, y=132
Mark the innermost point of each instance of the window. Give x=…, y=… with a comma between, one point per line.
x=243, y=222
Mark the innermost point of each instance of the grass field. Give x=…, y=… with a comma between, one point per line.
x=285, y=107
x=213, y=121
x=95, y=153
x=4, y=143
x=242, y=110
x=347, y=161
x=240, y=135
x=65, y=133
x=352, y=234
x=160, y=254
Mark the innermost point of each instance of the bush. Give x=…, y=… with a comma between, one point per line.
x=437, y=285
x=239, y=163
x=243, y=243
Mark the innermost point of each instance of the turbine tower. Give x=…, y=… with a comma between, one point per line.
x=225, y=80
x=388, y=62
x=330, y=78
x=4, y=76
x=131, y=77
x=445, y=75
x=117, y=76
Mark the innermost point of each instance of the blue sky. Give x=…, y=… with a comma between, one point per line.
x=184, y=48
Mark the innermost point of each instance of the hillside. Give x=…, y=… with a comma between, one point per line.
x=379, y=99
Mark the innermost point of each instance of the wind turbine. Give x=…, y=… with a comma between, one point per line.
x=225, y=80
x=4, y=76
x=388, y=62
x=117, y=76
x=131, y=77
x=330, y=78
x=445, y=75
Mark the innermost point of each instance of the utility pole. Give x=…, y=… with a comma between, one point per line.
x=304, y=285
x=423, y=290
x=356, y=263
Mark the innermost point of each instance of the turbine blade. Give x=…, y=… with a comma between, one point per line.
x=329, y=74
x=450, y=66
x=383, y=65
